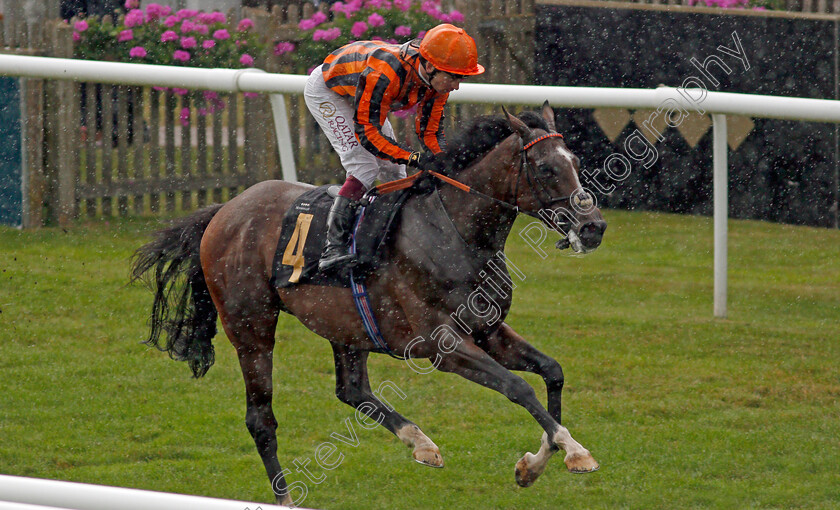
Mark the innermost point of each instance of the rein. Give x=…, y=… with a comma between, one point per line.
x=406, y=182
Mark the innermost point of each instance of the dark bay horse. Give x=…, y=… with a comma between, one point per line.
x=219, y=261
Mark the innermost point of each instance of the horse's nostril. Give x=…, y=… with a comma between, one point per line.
x=592, y=232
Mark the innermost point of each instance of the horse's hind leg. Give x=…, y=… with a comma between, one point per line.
x=352, y=387
x=250, y=329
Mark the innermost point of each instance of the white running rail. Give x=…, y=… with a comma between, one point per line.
x=20, y=493
x=719, y=104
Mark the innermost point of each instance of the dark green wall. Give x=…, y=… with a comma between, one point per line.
x=10, y=153
x=783, y=171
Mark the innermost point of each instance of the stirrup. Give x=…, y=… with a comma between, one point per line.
x=328, y=263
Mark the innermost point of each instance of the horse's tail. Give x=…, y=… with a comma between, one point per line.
x=182, y=308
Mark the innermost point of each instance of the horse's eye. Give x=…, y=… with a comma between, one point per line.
x=545, y=169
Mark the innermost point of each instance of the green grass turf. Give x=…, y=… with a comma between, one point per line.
x=682, y=410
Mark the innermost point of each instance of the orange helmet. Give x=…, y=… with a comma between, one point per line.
x=451, y=49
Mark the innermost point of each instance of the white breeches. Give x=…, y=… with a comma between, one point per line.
x=334, y=113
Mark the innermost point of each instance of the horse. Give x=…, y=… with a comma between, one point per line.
x=218, y=261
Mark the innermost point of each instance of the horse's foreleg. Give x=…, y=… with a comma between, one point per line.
x=514, y=353
x=352, y=387
x=471, y=362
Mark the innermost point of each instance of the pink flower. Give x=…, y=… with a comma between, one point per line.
x=125, y=35
x=319, y=17
x=307, y=24
x=171, y=21
x=201, y=29
x=131, y=4
x=392, y=41
x=137, y=52
x=456, y=16
x=349, y=8
x=221, y=34
x=168, y=36
x=185, y=117
x=251, y=94
x=206, y=18
x=157, y=11
x=402, y=31
x=208, y=43
x=284, y=47
x=180, y=92
x=160, y=89
x=188, y=42
x=359, y=28
x=403, y=5
x=326, y=35
x=134, y=18
x=210, y=95
x=375, y=20
x=80, y=26
x=181, y=55
x=77, y=37
x=187, y=27
x=245, y=24
x=246, y=60
x=421, y=34
x=186, y=13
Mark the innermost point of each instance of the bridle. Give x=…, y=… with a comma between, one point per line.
x=524, y=167
x=535, y=182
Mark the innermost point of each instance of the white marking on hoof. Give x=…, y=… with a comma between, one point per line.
x=578, y=459
x=531, y=466
x=286, y=500
x=425, y=451
x=428, y=456
x=580, y=463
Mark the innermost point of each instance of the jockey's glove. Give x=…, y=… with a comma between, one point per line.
x=422, y=160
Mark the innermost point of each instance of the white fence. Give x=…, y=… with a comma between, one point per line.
x=668, y=101
x=20, y=493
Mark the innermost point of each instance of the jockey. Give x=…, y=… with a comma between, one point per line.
x=350, y=96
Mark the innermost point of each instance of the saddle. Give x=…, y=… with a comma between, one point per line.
x=304, y=232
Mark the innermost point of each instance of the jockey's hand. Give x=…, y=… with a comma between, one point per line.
x=422, y=160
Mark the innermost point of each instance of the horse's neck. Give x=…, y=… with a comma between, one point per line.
x=483, y=223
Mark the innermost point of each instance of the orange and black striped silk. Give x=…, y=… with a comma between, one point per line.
x=382, y=78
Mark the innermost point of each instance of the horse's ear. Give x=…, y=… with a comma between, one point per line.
x=548, y=116
x=517, y=125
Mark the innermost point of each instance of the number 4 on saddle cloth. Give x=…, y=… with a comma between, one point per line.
x=304, y=233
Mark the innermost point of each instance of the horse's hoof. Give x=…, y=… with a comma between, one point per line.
x=524, y=476
x=428, y=456
x=581, y=463
x=285, y=500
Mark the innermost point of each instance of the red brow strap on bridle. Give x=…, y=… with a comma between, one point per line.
x=543, y=137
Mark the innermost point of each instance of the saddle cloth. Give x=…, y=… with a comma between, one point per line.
x=304, y=233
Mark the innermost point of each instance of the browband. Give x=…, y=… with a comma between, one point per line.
x=543, y=137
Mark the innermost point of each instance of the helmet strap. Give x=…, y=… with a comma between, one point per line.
x=428, y=78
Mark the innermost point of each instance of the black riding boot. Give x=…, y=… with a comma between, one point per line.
x=339, y=224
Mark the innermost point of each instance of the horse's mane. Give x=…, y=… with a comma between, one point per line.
x=479, y=137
